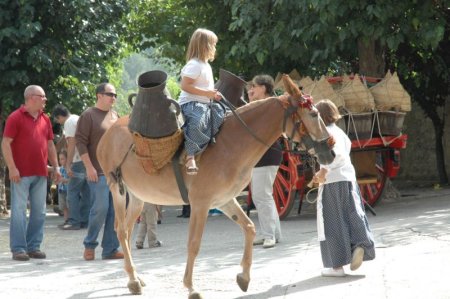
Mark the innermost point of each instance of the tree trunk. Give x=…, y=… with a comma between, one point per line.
x=440, y=155
x=3, y=202
x=371, y=58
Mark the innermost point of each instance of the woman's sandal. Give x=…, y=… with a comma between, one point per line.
x=191, y=169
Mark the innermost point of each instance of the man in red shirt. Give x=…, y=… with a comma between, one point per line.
x=27, y=145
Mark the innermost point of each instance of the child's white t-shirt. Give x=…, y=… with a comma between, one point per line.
x=201, y=72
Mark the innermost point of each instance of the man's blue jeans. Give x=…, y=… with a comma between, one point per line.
x=78, y=196
x=102, y=213
x=23, y=236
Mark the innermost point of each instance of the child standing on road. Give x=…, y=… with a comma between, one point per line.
x=62, y=187
x=203, y=117
x=147, y=226
x=344, y=233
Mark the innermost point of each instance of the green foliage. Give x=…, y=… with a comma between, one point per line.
x=61, y=45
x=138, y=63
x=173, y=87
x=315, y=36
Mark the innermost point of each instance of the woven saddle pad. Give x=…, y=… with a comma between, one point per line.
x=155, y=153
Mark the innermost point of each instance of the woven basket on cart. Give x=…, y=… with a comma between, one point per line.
x=389, y=94
x=278, y=83
x=306, y=84
x=155, y=153
x=357, y=97
x=295, y=75
x=322, y=89
x=389, y=123
x=359, y=125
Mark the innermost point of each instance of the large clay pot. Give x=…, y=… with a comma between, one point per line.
x=232, y=87
x=154, y=113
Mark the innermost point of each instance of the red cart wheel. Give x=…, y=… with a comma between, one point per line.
x=284, y=187
x=372, y=190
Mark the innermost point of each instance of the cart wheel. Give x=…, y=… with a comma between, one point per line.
x=284, y=188
x=372, y=191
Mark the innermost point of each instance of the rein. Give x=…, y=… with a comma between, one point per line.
x=288, y=111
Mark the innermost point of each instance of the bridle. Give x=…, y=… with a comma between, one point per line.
x=290, y=111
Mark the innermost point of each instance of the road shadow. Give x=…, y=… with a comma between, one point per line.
x=302, y=285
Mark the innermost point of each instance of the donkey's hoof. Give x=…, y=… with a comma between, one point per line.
x=195, y=295
x=135, y=287
x=141, y=281
x=242, y=282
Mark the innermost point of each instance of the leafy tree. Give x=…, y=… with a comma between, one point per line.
x=317, y=37
x=64, y=46
x=57, y=44
x=167, y=25
x=138, y=63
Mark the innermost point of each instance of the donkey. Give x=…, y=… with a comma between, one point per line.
x=224, y=171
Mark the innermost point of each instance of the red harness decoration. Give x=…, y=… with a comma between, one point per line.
x=307, y=102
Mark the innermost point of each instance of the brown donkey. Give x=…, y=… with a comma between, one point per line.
x=224, y=171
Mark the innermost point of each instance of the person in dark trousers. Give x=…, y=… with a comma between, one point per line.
x=78, y=194
x=185, y=212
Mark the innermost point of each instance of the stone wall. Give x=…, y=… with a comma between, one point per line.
x=418, y=160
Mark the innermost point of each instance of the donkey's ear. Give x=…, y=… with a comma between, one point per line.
x=284, y=100
x=291, y=87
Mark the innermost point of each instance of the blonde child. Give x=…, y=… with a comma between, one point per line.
x=203, y=117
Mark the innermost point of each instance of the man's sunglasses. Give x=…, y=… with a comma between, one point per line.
x=110, y=94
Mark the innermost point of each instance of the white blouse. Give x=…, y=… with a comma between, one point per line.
x=341, y=169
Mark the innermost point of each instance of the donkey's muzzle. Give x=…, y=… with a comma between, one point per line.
x=325, y=155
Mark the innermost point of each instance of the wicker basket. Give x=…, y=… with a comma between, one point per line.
x=389, y=123
x=359, y=125
x=295, y=75
x=357, y=97
x=155, y=153
x=389, y=94
x=322, y=89
x=306, y=84
x=279, y=85
x=341, y=123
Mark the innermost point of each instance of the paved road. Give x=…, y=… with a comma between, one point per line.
x=412, y=247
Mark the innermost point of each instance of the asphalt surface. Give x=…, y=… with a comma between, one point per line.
x=412, y=245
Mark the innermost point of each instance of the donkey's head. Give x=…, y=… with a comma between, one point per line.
x=306, y=126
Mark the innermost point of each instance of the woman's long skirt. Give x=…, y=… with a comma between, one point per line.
x=345, y=224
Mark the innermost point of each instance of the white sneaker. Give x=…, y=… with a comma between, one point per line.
x=269, y=243
x=357, y=258
x=330, y=272
x=259, y=241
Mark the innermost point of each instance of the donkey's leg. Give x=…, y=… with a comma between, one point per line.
x=197, y=221
x=234, y=211
x=122, y=229
x=134, y=210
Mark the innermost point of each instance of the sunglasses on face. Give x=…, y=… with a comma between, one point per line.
x=110, y=94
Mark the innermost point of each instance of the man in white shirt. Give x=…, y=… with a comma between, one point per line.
x=78, y=195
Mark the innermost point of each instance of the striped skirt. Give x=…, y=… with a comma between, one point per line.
x=200, y=124
x=345, y=223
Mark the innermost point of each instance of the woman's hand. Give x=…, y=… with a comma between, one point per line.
x=319, y=177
